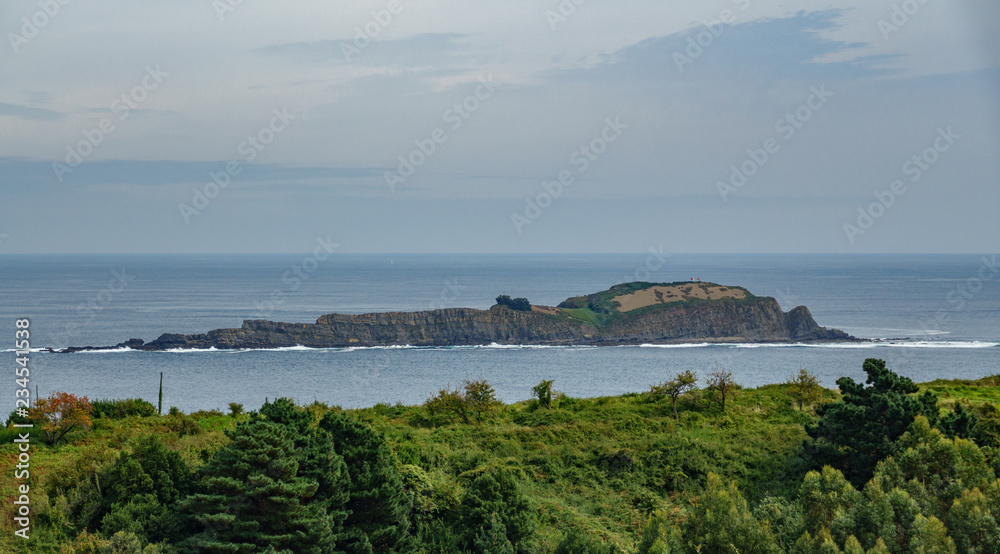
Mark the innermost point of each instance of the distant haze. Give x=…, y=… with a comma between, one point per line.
x=841, y=126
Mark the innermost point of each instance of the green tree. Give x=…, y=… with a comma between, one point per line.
x=972, y=522
x=677, y=387
x=854, y=434
x=140, y=494
x=930, y=537
x=448, y=402
x=543, y=393
x=317, y=457
x=825, y=495
x=254, y=498
x=722, y=522
x=379, y=506
x=492, y=538
x=805, y=388
x=481, y=398
x=933, y=469
x=721, y=382
x=497, y=495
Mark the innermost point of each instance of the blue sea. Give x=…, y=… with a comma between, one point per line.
x=943, y=312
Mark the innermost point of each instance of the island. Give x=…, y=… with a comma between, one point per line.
x=626, y=314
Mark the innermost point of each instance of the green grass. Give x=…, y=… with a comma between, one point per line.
x=585, y=315
x=975, y=391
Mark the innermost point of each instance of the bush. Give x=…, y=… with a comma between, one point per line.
x=519, y=304
x=235, y=409
x=543, y=393
x=121, y=409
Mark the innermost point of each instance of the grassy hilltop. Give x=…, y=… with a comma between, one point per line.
x=552, y=474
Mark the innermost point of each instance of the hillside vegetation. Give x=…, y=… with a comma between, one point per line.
x=883, y=466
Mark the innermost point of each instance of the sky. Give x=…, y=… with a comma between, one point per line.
x=209, y=126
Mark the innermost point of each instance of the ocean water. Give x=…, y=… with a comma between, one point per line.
x=943, y=312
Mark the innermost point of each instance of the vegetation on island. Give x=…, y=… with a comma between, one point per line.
x=602, y=308
x=518, y=304
x=884, y=466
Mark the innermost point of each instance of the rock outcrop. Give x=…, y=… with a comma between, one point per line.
x=734, y=318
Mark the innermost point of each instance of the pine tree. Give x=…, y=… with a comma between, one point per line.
x=317, y=457
x=379, y=506
x=492, y=538
x=497, y=495
x=255, y=499
x=853, y=435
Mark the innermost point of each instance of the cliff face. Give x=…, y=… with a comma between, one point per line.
x=747, y=319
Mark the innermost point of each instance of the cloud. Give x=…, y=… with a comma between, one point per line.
x=29, y=113
x=17, y=172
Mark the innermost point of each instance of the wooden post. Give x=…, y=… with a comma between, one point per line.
x=159, y=403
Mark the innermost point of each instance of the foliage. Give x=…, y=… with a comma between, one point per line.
x=543, y=393
x=805, y=388
x=377, y=503
x=677, y=387
x=854, y=434
x=121, y=409
x=61, y=413
x=495, y=500
x=518, y=304
x=723, y=522
x=721, y=382
x=481, y=398
x=254, y=498
x=609, y=474
x=476, y=397
x=235, y=409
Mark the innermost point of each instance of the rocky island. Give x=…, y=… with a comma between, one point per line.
x=627, y=314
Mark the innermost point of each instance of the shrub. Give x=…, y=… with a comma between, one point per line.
x=805, y=388
x=519, y=304
x=476, y=397
x=121, y=409
x=235, y=409
x=61, y=413
x=493, y=500
x=543, y=393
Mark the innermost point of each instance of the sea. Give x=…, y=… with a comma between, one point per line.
x=937, y=317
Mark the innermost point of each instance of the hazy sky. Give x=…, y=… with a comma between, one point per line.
x=446, y=126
